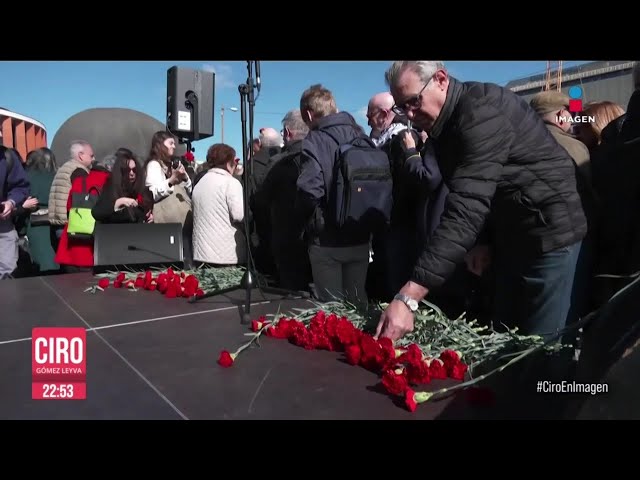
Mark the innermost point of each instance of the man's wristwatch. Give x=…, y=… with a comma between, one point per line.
x=408, y=301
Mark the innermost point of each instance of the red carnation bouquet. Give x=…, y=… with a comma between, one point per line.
x=438, y=348
x=170, y=282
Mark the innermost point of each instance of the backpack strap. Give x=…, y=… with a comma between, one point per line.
x=10, y=161
x=356, y=140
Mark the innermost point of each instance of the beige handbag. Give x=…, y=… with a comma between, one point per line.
x=173, y=209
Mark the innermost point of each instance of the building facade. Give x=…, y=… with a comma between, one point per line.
x=21, y=132
x=600, y=81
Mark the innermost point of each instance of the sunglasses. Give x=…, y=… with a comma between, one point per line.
x=412, y=103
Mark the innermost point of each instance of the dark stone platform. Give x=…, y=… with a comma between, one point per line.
x=149, y=357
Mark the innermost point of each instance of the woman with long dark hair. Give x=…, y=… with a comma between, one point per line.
x=162, y=174
x=124, y=198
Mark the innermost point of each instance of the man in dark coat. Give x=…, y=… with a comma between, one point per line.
x=511, y=187
x=270, y=146
x=277, y=196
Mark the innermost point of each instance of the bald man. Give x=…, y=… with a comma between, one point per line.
x=269, y=137
x=384, y=123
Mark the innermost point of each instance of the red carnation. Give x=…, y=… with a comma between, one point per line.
x=320, y=341
x=410, y=400
x=103, y=283
x=256, y=325
x=437, y=369
x=352, y=353
x=450, y=358
x=226, y=359
x=172, y=291
x=395, y=383
x=387, y=353
x=347, y=333
x=412, y=355
x=371, y=353
x=418, y=373
x=458, y=371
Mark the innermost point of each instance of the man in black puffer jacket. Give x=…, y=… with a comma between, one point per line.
x=512, y=186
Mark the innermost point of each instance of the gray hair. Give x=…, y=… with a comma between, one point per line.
x=425, y=69
x=76, y=147
x=270, y=140
x=106, y=163
x=295, y=124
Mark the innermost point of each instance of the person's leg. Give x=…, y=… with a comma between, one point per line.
x=355, y=264
x=535, y=295
x=56, y=233
x=327, y=273
x=9, y=251
x=292, y=261
x=549, y=281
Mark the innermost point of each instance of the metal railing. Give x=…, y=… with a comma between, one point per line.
x=576, y=76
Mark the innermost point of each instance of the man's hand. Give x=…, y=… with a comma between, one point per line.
x=407, y=140
x=7, y=208
x=30, y=203
x=397, y=320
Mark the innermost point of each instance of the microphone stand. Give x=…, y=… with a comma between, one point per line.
x=249, y=279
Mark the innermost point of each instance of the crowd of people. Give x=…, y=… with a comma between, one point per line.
x=462, y=193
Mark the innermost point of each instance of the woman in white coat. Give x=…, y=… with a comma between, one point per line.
x=218, y=211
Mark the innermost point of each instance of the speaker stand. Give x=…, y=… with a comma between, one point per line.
x=249, y=279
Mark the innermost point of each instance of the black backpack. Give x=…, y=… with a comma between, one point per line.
x=361, y=195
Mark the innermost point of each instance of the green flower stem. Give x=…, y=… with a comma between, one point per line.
x=482, y=377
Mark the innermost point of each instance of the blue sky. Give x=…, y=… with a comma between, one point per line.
x=51, y=92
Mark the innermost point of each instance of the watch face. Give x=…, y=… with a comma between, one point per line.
x=413, y=305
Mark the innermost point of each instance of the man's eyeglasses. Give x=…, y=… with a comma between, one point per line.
x=411, y=103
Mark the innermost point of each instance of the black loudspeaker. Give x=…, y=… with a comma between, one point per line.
x=190, y=103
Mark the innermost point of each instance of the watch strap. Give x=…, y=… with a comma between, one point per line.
x=407, y=300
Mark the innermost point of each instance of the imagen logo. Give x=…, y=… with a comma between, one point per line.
x=575, y=107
